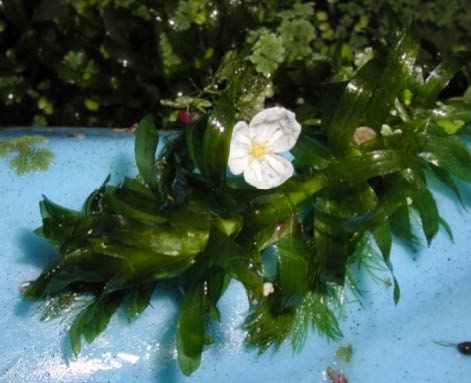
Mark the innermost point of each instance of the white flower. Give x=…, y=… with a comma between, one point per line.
x=254, y=147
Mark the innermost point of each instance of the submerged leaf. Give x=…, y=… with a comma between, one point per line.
x=450, y=154
x=93, y=320
x=292, y=270
x=191, y=326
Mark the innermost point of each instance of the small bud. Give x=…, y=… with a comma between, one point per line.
x=184, y=116
x=363, y=134
x=268, y=289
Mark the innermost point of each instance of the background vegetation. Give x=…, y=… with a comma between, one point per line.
x=109, y=62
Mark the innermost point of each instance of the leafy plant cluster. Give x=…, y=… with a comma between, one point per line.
x=185, y=223
x=27, y=157
x=83, y=62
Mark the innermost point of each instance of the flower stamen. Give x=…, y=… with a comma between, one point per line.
x=258, y=150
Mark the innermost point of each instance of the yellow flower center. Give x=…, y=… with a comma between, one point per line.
x=258, y=149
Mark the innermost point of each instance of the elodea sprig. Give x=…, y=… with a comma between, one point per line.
x=362, y=150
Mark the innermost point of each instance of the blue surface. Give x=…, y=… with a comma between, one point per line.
x=390, y=343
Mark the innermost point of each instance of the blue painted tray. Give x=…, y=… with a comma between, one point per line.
x=390, y=343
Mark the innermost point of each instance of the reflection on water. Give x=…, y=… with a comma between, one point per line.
x=84, y=366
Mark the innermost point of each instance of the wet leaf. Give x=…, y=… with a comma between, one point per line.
x=450, y=154
x=93, y=320
x=137, y=299
x=217, y=138
x=147, y=139
x=292, y=270
x=440, y=77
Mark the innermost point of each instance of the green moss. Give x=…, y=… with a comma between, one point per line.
x=344, y=352
x=26, y=157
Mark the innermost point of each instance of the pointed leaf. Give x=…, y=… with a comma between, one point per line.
x=440, y=77
x=383, y=238
x=147, y=139
x=445, y=177
x=137, y=299
x=397, y=291
x=352, y=105
x=425, y=204
x=447, y=228
x=394, y=78
x=309, y=152
x=217, y=139
x=450, y=154
x=401, y=226
x=191, y=326
x=93, y=320
x=292, y=270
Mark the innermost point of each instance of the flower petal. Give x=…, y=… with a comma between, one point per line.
x=237, y=165
x=277, y=126
x=240, y=134
x=239, y=149
x=268, y=173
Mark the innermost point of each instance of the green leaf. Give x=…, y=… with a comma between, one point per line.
x=440, y=77
x=137, y=299
x=349, y=112
x=425, y=204
x=394, y=78
x=93, y=320
x=292, y=270
x=194, y=139
x=309, y=152
x=268, y=53
x=383, y=238
x=368, y=97
x=132, y=205
x=173, y=239
x=355, y=169
x=92, y=204
x=450, y=154
x=58, y=222
x=217, y=138
x=402, y=227
x=397, y=292
x=445, y=177
x=147, y=139
x=297, y=36
x=332, y=253
x=191, y=326
x=447, y=228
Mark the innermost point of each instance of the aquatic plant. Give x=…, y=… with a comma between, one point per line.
x=27, y=157
x=370, y=135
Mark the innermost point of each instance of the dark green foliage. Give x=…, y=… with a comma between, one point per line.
x=295, y=247
x=104, y=63
x=147, y=139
